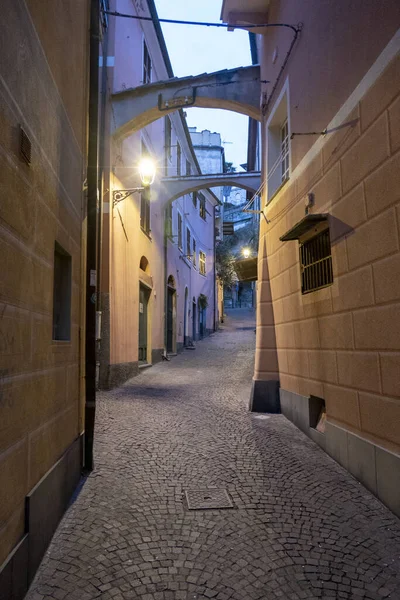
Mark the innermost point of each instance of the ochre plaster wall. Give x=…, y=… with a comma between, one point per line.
x=40, y=204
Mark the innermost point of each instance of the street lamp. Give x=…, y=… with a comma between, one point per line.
x=246, y=252
x=147, y=172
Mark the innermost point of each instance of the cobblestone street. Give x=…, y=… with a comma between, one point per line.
x=300, y=527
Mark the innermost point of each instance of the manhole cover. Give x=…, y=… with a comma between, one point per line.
x=207, y=499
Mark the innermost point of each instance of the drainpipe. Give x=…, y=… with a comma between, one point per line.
x=91, y=242
x=215, y=275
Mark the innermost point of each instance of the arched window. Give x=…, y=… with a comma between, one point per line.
x=144, y=264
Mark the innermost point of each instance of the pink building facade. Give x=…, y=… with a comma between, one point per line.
x=328, y=337
x=157, y=255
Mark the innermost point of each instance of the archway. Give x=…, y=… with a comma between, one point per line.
x=237, y=90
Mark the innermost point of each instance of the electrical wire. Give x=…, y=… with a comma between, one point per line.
x=200, y=23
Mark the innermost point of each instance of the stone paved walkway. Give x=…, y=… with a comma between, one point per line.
x=301, y=527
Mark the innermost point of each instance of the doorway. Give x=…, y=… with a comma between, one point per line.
x=144, y=295
x=171, y=315
x=185, y=315
x=194, y=317
x=202, y=322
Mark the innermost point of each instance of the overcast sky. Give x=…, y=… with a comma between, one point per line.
x=194, y=50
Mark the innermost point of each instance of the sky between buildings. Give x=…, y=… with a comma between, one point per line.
x=194, y=50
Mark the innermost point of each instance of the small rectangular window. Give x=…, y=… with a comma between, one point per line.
x=194, y=198
x=146, y=64
x=188, y=168
x=202, y=202
x=168, y=142
x=61, y=294
x=316, y=263
x=194, y=252
x=188, y=245
x=202, y=263
x=178, y=159
x=180, y=231
x=168, y=220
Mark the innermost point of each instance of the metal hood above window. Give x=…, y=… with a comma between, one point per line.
x=306, y=225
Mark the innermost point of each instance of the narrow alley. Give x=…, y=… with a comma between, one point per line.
x=300, y=526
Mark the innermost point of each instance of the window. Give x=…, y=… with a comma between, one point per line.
x=188, y=168
x=168, y=143
x=202, y=202
x=146, y=64
x=285, y=151
x=61, y=294
x=178, y=158
x=180, y=245
x=278, y=144
x=194, y=252
x=188, y=245
x=168, y=220
x=194, y=198
x=145, y=199
x=316, y=263
x=202, y=262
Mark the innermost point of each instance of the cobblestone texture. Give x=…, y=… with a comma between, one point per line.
x=301, y=526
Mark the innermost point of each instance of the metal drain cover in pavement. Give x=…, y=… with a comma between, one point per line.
x=207, y=499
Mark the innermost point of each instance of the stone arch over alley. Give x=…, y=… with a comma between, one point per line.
x=237, y=90
x=179, y=186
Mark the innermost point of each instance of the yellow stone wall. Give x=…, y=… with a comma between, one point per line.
x=43, y=88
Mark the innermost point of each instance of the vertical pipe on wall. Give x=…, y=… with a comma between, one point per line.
x=91, y=254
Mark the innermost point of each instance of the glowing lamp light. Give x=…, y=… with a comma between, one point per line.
x=147, y=171
x=246, y=252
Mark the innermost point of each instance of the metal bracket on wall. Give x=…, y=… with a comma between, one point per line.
x=119, y=195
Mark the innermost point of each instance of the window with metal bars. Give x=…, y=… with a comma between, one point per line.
x=146, y=64
x=316, y=263
x=194, y=252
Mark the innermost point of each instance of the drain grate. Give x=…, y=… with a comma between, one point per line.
x=208, y=499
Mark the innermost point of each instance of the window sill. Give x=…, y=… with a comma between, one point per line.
x=147, y=234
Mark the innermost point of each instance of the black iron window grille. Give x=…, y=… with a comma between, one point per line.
x=316, y=263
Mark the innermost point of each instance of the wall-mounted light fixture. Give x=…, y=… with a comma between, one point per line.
x=147, y=172
x=246, y=252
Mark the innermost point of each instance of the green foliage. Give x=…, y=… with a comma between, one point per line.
x=225, y=261
x=203, y=301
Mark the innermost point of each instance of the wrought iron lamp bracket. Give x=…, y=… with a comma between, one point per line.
x=119, y=195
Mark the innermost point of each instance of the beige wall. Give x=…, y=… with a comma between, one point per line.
x=40, y=204
x=341, y=343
